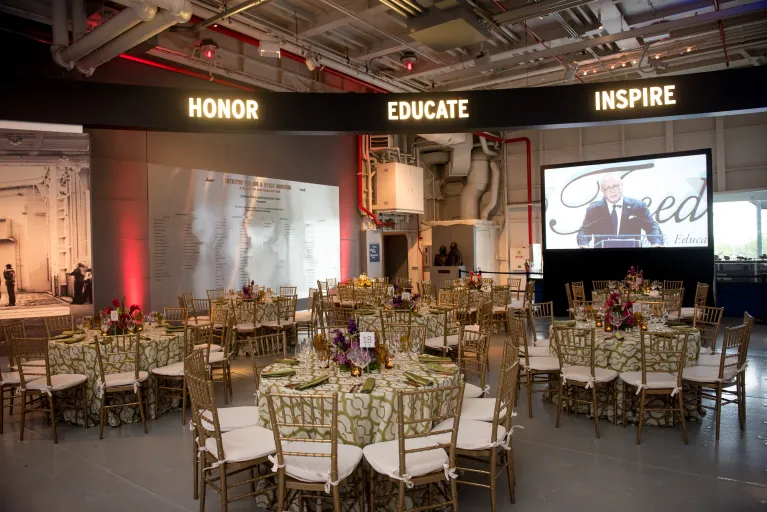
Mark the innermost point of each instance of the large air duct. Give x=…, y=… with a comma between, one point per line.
x=476, y=183
x=495, y=179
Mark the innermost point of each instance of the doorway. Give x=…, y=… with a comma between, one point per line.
x=395, y=256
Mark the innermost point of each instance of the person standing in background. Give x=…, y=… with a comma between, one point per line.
x=10, y=282
x=88, y=290
x=79, y=275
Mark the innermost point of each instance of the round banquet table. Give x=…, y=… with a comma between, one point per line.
x=157, y=349
x=625, y=356
x=363, y=418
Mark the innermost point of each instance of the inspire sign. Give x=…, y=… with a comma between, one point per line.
x=612, y=99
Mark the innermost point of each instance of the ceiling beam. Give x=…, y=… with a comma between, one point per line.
x=510, y=57
x=337, y=19
x=533, y=10
x=613, y=22
x=380, y=50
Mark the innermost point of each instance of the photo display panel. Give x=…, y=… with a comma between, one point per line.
x=213, y=230
x=654, y=202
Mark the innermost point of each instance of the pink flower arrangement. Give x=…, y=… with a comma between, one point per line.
x=615, y=306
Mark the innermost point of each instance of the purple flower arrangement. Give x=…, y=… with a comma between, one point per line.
x=346, y=350
x=404, y=304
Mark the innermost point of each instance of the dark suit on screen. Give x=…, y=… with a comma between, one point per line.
x=635, y=218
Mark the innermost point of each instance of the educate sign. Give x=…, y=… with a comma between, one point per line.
x=428, y=109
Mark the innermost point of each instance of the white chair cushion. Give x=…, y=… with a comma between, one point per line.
x=245, y=327
x=499, y=309
x=233, y=418
x=705, y=351
x=317, y=469
x=517, y=304
x=583, y=374
x=536, y=351
x=716, y=359
x=438, y=342
x=213, y=348
x=708, y=374
x=58, y=382
x=471, y=328
x=542, y=364
x=472, y=391
x=654, y=380
x=243, y=444
x=114, y=380
x=216, y=357
x=11, y=378
x=688, y=312
x=472, y=434
x=479, y=409
x=171, y=370
x=282, y=323
x=384, y=457
x=303, y=316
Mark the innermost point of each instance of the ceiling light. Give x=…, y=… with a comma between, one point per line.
x=312, y=62
x=612, y=67
x=634, y=61
x=689, y=49
x=585, y=73
x=208, y=48
x=269, y=47
x=623, y=64
x=570, y=71
x=657, y=57
x=601, y=27
x=408, y=59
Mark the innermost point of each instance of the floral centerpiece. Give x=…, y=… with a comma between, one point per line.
x=475, y=281
x=616, y=309
x=120, y=326
x=400, y=303
x=345, y=349
x=363, y=281
x=634, y=278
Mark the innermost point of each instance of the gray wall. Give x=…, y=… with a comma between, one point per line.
x=119, y=161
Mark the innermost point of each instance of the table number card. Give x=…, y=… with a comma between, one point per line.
x=113, y=316
x=367, y=340
x=405, y=295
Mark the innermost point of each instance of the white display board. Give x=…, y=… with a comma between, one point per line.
x=213, y=230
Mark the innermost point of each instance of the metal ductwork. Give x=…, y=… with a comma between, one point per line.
x=495, y=180
x=128, y=28
x=461, y=144
x=476, y=183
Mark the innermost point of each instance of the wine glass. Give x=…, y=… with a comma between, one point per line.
x=617, y=319
x=415, y=349
x=131, y=325
x=104, y=324
x=355, y=356
x=79, y=323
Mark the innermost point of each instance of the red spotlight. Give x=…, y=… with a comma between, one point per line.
x=409, y=66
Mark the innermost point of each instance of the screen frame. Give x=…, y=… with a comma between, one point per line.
x=709, y=196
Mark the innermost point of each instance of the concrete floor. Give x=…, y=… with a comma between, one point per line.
x=557, y=469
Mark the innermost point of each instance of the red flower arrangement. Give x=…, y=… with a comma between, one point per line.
x=615, y=308
x=475, y=281
x=123, y=316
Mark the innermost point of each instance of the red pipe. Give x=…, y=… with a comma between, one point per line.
x=359, y=188
x=289, y=55
x=526, y=140
x=183, y=71
x=721, y=36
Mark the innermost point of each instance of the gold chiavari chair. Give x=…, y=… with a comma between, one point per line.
x=599, y=285
x=529, y=298
x=575, y=348
x=214, y=295
x=305, y=319
x=338, y=317
x=422, y=454
x=515, y=286
x=672, y=302
x=484, y=316
x=170, y=378
x=39, y=382
x=488, y=282
x=673, y=285
x=707, y=320
x=570, y=306
x=484, y=434
x=728, y=373
x=219, y=361
x=14, y=330
x=587, y=306
x=286, y=316
x=578, y=290
x=662, y=357
x=9, y=381
x=405, y=338
x=426, y=290
x=323, y=287
x=187, y=296
x=450, y=283
x=472, y=359
x=451, y=332
x=245, y=317
x=380, y=291
x=310, y=464
x=332, y=282
x=404, y=283
x=200, y=310
x=701, y=293
x=501, y=298
x=55, y=325
x=288, y=291
x=224, y=451
x=541, y=318
x=654, y=308
x=175, y=317
x=182, y=302
x=346, y=296
x=447, y=298
x=538, y=370
x=464, y=304
x=264, y=349
x=119, y=374
x=395, y=316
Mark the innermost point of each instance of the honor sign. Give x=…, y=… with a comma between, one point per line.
x=632, y=98
x=223, y=109
x=428, y=109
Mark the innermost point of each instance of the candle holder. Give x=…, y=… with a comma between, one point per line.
x=356, y=371
x=598, y=322
x=644, y=326
x=608, y=328
x=389, y=363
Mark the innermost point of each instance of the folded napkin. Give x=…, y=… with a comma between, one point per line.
x=288, y=361
x=565, y=323
x=368, y=386
x=312, y=383
x=618, y=336
x=417, y=379
x=684, y=328
x=278, y=373
x=72, y=333
x=365, y=312
x=440, y=368
x=62, y=337
x=70, y=340
x=428, y=358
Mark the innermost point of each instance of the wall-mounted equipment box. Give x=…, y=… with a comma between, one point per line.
x=399, y=188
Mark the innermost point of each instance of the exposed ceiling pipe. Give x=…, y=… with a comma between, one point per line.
x=95, y=39
x=244, y=6
x=131, y=38
x=476, y=183
x=495, y=179
x=78, y=20
x=722, y=36
x=60, y=32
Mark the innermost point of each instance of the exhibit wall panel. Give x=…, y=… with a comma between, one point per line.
x=121, y=160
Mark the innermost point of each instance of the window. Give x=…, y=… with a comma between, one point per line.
x=735, y=228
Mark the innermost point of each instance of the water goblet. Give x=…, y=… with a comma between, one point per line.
x=79, y=324
x=131, y=326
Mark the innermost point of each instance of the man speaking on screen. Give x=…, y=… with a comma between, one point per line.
x=617, y=221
